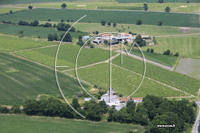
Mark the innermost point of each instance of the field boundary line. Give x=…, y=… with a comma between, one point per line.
x=155, y=81
x=34, y=48
x=177, y=62
x=105, y=61
x=179, y=35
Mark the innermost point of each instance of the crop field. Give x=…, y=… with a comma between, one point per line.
x=186, y=46
x=4, y=10
x=190, y=67
x=31, y=31
x=175, y=7
x=27, y=1
x=66, y=56
x=152, y=30
x=123, y=81
x=160, y=58
x=155, y=1
x=24, y=124
x=177, y=80
x=9, y=44
x=95, y=16
x=22, y=80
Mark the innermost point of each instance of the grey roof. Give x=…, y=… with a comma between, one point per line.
x=112, y=97
x=118, y=107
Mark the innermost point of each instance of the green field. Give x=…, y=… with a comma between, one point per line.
x=160, y=58
x=175, y=7
x=4, y=10
x=10, y=44
x=31, y=31
x=22, y=80
x=124, y=82
x=186, y=46
x=27, y=1
x=152, y=30
x=155, y=1
x=66, y=56
x=182, y=82
x=95, y=16
x=33, y=124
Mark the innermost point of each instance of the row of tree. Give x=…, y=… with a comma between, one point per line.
x=103, y=23
x=52, y=37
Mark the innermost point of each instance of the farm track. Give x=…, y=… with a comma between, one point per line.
x=149, y=61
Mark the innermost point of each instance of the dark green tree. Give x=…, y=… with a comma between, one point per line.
x=30, y=7
x=160, y=23
x=67, y=37
x=11, y=12
x=139, y=22
x=104, y=105
x=145, y=6
x=109, y=24
x=177, y=54
x=103, y=23
x=167, y=9
x=55, y=37
x=114, y=24
x=75, y=103
x=62, y=20
x=139, y=40
x=148, y=50
x=49, y=20
x=63, y=6
x=50, y=37
x=152, y=50
x=16, y=109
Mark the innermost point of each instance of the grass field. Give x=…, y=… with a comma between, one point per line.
x=22, y=80
x=9, y=44
x=155, y=1
x=186, y=46
x=160, y=58
x=66, y=56
x=182, y=82
x=152, y=30
x=24, y=124
x=95, y=16
x=31, y=31
x=189, y=67
x=123, y=81
x=175, y=7
x=4, y=10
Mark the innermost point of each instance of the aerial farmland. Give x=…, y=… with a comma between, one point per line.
x=127, y=65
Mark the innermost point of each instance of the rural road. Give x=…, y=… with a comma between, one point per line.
x=196, y=125
x=149, y=61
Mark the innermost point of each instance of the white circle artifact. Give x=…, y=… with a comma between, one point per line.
x=77, y=72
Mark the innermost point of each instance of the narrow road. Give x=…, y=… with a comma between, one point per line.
x=196, y=125
x=149, y=61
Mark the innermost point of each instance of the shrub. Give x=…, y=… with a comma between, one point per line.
x=54, y=25
x=96, y=86
x=39, y=37
x=62, y=20
x=47, y=24
x=148, y=50
x=167, y=9
x=15, y=109
x=109, y=24
x=72, y=20
x=130, y=32
x=50, y=37
x=103, y=23
x=139, y=22
x=11, y=12
x=21, y=22
x=114, y=24
x=177, y=54
x=49, y=19
x=152, y=50
x=30, y=7
x=97, y=32
x=63, y=6
x=160, y=23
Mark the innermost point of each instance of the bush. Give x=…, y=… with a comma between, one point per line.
x=15, y=109
x=160, y=23
x=65, y=27
x=130, y=32
x=11, y=12
x=109, y=24
x=35, y=23
x=148, y=50
x=47, y=24
x=152, y=50
x=62, y=20
x=72, y=20
x=103, y=23
x=39, y=37
x=21, y=22
x=139, y=22
x=114, y=24
x=177, y=54
x=30, y=7
x=54, y=25
x=96, y=86
x=167, y=9
x=5, y=110
x=50, y=37
x=167, y=52
x=97, y=32
x=63, y=6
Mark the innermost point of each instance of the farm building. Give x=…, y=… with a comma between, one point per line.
x=85, y=38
